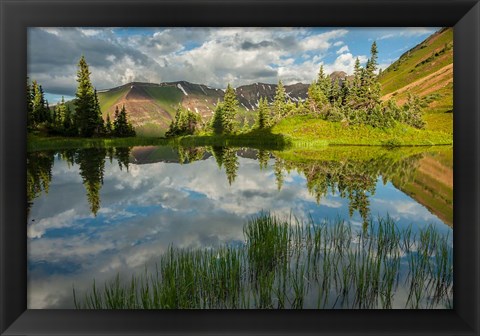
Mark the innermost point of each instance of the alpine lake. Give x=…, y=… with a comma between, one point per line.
x=231, y=227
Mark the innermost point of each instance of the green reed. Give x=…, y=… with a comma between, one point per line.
x=285, y=263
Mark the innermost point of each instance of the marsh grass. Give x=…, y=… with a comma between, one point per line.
x=285, y=263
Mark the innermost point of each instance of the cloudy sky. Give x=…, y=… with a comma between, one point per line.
x=211, y=56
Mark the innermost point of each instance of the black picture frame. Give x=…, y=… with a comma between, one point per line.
x=16, y=16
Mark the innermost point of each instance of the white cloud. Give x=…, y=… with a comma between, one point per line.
x=345, y=62
x=408, y=32
x=50, y=30
x=322, y=42
x=90, y=31
x=343, y=49
x=61, y=220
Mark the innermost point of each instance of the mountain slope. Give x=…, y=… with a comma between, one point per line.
x=427, y=71
x=151, y=107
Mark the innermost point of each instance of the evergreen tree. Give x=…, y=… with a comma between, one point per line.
x=371, y=84
x=336, y=93
x=68, y=127
x=279, y=103
x=352, y=99
x=324, y=82
x=60, y=112
x=108, y=126
x=30, y=115
x=229, y=113
x=87, y=112
x=231, y=164
x=55, y=125
x=217, y=119
x=47, y=112
x=100, y=129
x=121, y=126
x=246, y=125
x=263, y=156
x=278, y=169
x=91, y=163
x=185, y=122
x=263, y=114
x=413, y=112
x=317, y=99
x=115, y=119
x=38, y=103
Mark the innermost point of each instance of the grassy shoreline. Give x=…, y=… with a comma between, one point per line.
x=313, y=132
x=294, y=132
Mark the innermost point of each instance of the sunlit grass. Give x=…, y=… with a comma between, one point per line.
x=304, y=131
x=285, y=263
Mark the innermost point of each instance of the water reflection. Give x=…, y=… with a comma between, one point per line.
x=102, y=211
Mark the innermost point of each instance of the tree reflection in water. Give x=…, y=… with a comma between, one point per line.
x=353, y=178
x=91, y=163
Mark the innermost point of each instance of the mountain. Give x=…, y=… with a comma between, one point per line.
x=151, y=107
x=427, y=71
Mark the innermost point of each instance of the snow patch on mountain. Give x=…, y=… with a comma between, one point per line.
x=181, y=88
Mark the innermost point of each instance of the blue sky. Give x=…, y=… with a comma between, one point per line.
x=211, y=56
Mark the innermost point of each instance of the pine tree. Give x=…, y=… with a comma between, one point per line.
x=38, y=103
x=317, y=99
x=184, y=123
x=413, y=112
x=230, y=162
x=60, y=112
x=115, y=119
x=245, y=125
x=324, y=82
x=352, y=99
x=30, y=115
x=230, y=107
x=68, y=127
x=121, y=126
x=371, y=84
x=217, y=119
x=335, y=93
x=100, y=129
x=47, y=112
x=108, y=126
x=87, y=112
x=279, y=103
x=263, y=114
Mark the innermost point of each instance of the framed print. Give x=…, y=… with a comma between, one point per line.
x=207, y=167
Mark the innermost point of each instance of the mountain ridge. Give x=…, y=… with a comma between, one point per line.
x=152, y=106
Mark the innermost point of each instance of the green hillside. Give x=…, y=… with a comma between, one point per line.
x=110, y=97
x=427, y=71
x=168, y=97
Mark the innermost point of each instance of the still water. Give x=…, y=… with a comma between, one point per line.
x=95, y=213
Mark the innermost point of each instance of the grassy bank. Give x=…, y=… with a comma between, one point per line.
x=256, y=139
x=37, y=143
x=285, y=264
x=297, y=132
x=313, y=132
